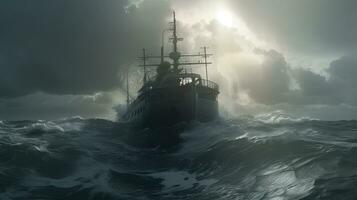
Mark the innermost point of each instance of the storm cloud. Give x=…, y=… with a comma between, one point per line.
x=72, y=47
x=274, y=81
x=339, y=86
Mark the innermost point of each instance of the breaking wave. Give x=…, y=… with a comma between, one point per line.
x=263, y=157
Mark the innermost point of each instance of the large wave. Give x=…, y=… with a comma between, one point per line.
x=262, y=157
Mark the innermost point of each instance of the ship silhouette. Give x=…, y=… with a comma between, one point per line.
x=173, y=95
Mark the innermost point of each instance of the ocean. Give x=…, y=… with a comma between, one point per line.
x=250, y=157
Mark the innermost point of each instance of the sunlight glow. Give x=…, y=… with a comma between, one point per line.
x=225, y=18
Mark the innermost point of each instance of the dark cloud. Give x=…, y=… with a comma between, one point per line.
x=267, y=83
x=275, y=82
x=72, y=47
x=339, y=87
x=312, y=84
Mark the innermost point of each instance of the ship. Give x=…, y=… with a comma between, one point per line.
x=173, y=95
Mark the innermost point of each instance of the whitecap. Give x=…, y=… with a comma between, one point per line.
x=279, y=116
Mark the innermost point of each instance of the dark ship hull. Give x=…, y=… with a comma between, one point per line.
x=168, y=106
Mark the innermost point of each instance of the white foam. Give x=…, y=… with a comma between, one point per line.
x=51, y=126
x=42, y=147
x=279, y=116
x=71, y=126
x=42, y=125
x=180, y=180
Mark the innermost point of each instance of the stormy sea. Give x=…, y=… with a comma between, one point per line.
x=254, y=157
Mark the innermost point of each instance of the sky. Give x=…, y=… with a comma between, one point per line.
x=69, y=58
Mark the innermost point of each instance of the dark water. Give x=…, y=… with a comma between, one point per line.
x=268, y=157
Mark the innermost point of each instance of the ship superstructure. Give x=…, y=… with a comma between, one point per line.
x=173, y=95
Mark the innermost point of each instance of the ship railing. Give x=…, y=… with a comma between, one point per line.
x=209, y=84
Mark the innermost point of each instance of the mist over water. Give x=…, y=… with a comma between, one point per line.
x=262, y=157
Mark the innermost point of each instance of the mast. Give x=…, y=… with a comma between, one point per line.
x=162, y=45
x=175, y=55
x=175, y=34
x=205, y=56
